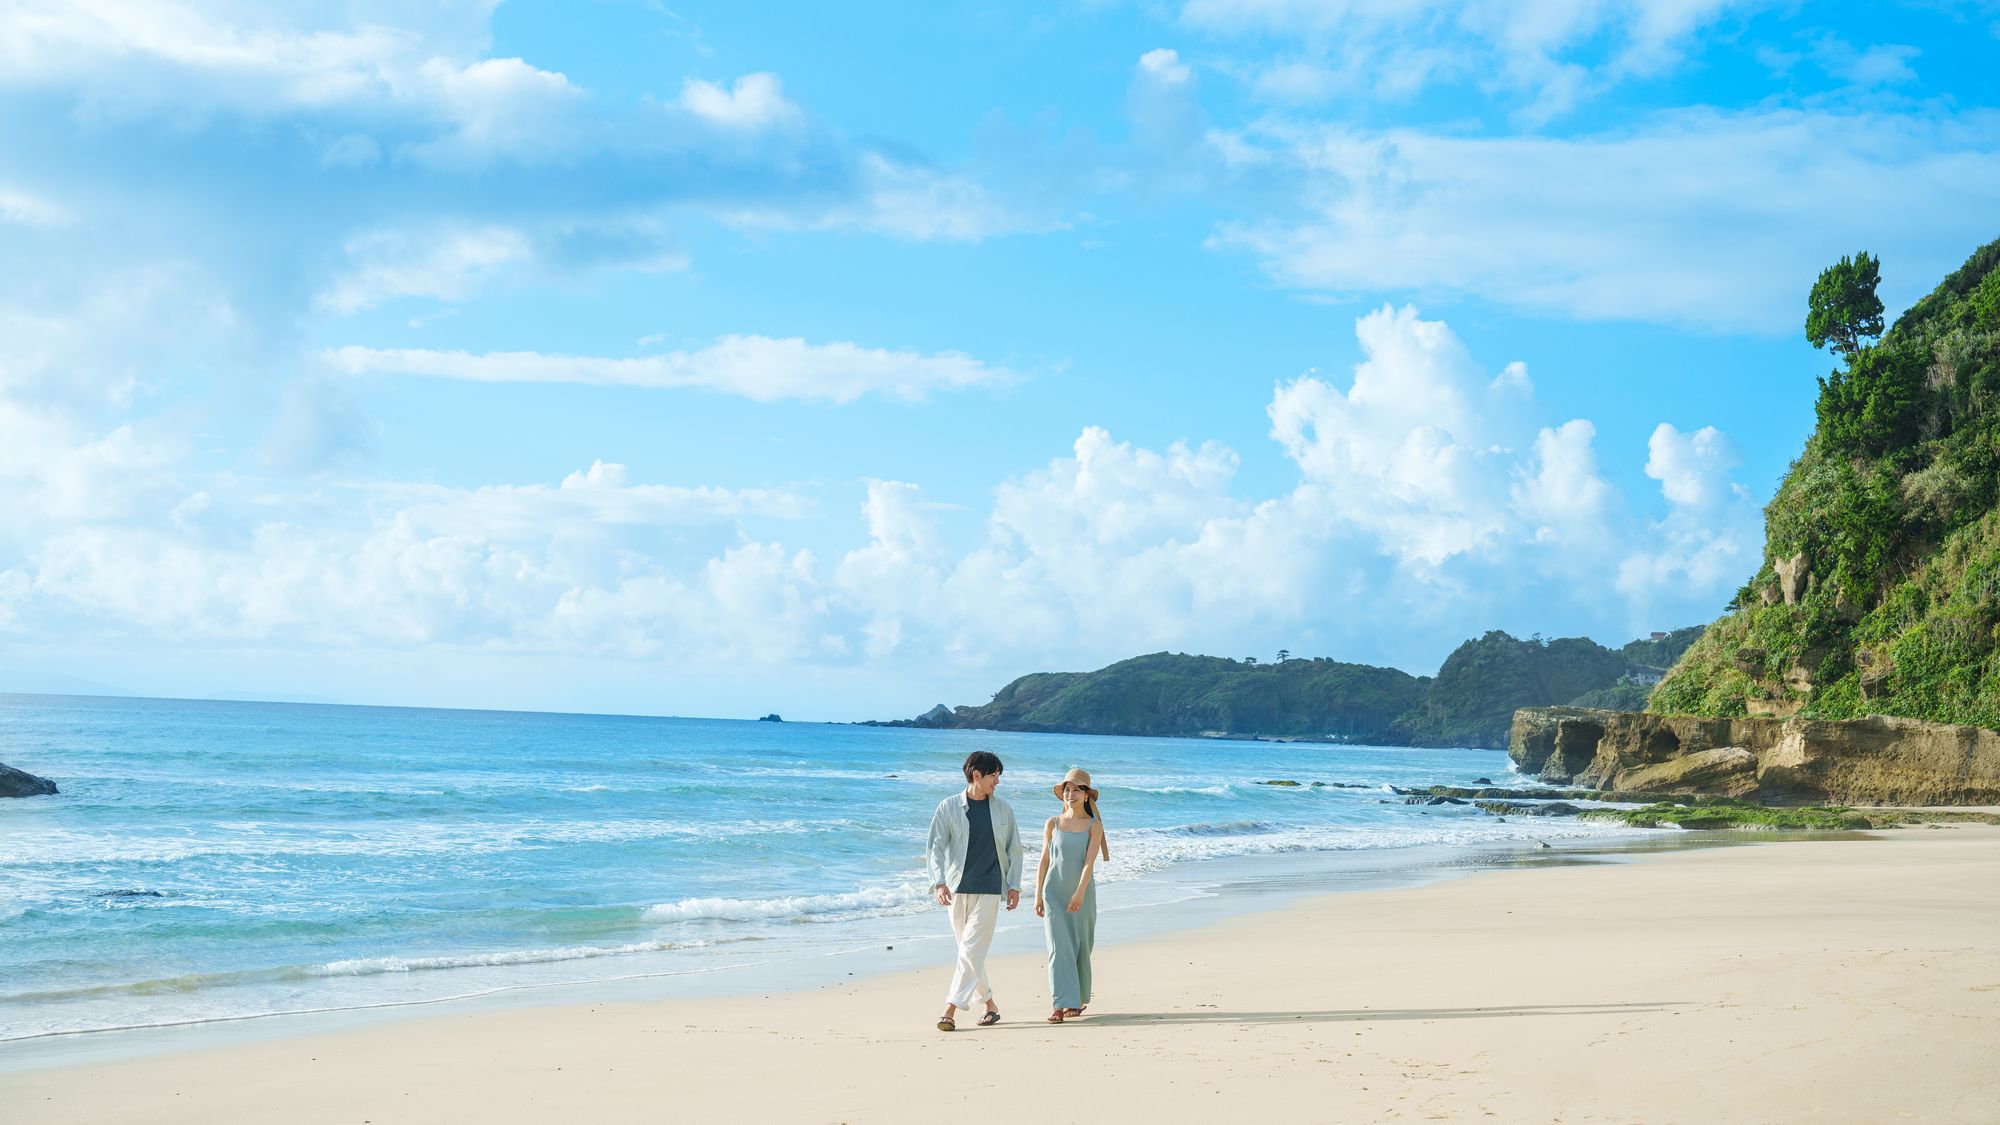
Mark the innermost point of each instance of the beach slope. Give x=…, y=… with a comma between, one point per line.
x=1825, y=980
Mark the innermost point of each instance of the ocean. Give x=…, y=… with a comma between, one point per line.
x=213, y=861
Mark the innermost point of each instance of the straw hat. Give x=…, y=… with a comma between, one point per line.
x=1074, y=775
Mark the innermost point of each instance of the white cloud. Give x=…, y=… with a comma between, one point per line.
x=30, y=211
x=1883, y=64
x=502, y=107
x=448, y=265
x=1693, y=469
x=1712, y=536
x=183, y=59
x=757, y=367
x=1114, y=548
x=91, y=341
x=903, y=199
x=1698, y=218
x=1563, y=495
x=755, y=101
x=55, y=470
x=508, y=566
x=1395, y=48
x=453, y=262
x=1428, y=494
x=1165, y=66
x=1417, y=450
x=600, y=495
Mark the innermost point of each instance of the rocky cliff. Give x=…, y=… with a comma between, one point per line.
x=1878, y=760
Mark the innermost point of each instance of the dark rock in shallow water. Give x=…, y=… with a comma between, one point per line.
x=21, y=783
x=130, y=894
x=1509, y=808
x=1289, y=784
x=1430, y=800
x=1502, y=792
x=1482, y=781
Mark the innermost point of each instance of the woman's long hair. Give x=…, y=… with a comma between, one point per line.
x=1104, y=838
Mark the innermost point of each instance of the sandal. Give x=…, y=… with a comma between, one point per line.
x=1056, y=1016
x=946, y=1023
x=1072, y=1012
x=991, y=1017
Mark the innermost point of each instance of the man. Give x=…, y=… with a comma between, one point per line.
x=974, y=859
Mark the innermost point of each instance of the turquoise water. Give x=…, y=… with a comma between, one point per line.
x=218, y=860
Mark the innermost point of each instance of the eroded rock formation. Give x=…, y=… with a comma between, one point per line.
x=1877, y=760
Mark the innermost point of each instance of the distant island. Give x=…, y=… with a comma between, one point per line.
x=1470, y=702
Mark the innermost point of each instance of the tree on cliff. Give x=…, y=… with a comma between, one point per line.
x=1843, y=307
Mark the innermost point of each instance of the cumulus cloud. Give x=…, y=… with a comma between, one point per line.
x=755, y=101
x=509, y=566
x=756, y=367
x=1414, y=451
x=1711, y=538
x=1111, y=548
x=1428, y=493
x=1164, y=66
x=1561, y=493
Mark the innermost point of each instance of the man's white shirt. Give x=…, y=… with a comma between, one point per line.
x=951, y=830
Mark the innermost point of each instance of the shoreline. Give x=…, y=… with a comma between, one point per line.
x=1179, y=898
x=1830, y=979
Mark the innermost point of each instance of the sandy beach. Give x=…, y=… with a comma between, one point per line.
x=1824, y=980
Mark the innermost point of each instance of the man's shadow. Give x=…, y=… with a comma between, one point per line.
x=1358, y=1015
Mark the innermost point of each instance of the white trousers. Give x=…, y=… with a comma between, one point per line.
x=972, y=921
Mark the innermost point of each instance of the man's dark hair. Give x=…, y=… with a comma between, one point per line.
x=984, y=761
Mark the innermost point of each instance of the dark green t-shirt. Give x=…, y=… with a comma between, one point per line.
x=982, y=859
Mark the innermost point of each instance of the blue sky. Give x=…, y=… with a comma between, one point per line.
x=715, y=359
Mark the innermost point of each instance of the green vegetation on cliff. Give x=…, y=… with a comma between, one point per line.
x=1880, y=588
x=1470, y=703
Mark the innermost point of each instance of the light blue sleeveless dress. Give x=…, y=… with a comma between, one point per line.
x=1070, y=936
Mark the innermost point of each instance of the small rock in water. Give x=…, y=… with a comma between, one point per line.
x=1482, y=781
x=21, y=783
x=130, y=894
x=1292, y=784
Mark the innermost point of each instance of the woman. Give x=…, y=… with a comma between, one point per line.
x=1071, y=844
